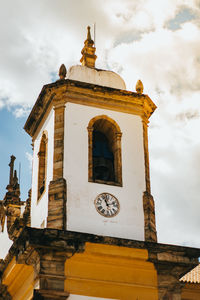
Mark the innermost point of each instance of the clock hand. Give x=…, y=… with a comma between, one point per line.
x=106, y=202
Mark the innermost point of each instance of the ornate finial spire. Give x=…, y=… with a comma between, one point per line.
x=13, y=185
x=15, y=180
x=62, y=72
x=89, y=35
x=11, y=165
x=139, y=87
x=88, y=52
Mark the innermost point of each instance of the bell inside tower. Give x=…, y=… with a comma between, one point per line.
x=103, y=158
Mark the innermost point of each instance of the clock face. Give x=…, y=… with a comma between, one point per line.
x=107, y=205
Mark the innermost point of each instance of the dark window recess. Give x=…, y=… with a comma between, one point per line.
x=42, y=164
x=42, y=187
x=103, y=158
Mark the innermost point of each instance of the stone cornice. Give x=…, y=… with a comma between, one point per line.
x=164, y=256
x=87, y=94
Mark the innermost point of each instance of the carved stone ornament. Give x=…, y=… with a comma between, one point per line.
x=62, y=72
x=4, y=294
x=2, y=216
x=139, y=87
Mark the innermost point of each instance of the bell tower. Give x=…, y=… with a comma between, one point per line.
x=92, y=233
x=91, y=162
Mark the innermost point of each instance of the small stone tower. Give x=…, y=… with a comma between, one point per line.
x=12, y=201
x=11, y=206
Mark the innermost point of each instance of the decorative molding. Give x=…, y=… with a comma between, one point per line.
x=86, y=94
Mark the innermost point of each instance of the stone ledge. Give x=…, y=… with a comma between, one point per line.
x=162, y=255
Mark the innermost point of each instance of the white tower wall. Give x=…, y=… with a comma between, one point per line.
x=39, y=209
x=81, y=213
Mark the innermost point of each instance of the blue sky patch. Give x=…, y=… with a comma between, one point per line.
x=184, y=15
x=128, y=37
x=14, y=141
x=54, y=76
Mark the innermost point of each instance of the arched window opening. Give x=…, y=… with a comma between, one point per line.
x=104, y=151
x=103, y=158
x=42, y=166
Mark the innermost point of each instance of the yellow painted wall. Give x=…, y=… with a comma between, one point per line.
x=19, y=279
x=105, y=271
x=111, y=272
x=100, y=271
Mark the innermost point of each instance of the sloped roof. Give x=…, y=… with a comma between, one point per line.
x=193, y=276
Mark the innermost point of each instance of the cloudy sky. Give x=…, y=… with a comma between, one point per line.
x=155, y=41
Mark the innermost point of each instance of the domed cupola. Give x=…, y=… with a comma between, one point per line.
x=87, y=71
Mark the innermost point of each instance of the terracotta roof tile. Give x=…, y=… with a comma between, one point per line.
x=193, y=276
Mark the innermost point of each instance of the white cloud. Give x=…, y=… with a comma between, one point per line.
x=21, y=112
x=168, y=64
x=29, y=157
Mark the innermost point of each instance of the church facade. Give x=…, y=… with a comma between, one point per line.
x=88, y=230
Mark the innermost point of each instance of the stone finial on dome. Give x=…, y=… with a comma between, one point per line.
x=139, y=87
x=88, y=52
x=62, y=72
